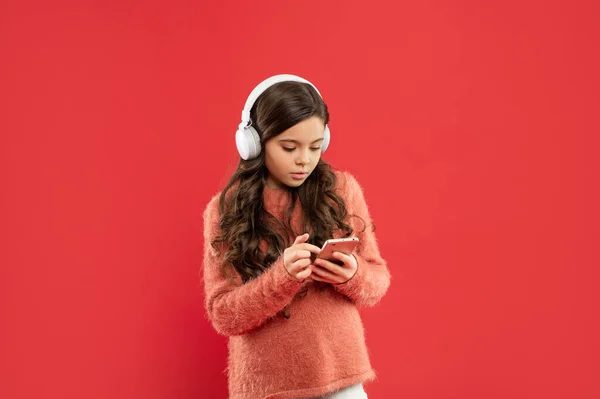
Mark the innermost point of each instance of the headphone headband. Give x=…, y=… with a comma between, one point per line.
x=264, y=85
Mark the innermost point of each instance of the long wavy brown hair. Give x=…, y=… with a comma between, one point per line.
x=244, y=223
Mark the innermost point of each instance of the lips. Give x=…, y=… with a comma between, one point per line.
x=299, y=175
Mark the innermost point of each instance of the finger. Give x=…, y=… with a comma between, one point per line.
x=332, y=267
x=301, y=239
x=301, y=254
x=310, y=247
x=304, y=273
x=300, y=264
x=326, y=274
x=347, y=259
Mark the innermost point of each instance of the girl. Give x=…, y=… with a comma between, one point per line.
x=292, y=320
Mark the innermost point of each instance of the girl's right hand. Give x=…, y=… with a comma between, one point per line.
x=296, y=258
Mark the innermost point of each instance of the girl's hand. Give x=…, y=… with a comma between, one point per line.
x=329, y=272
x=296, y=258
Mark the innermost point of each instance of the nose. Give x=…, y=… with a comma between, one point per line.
x=304, y=157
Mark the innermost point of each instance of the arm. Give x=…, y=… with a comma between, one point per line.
x=372, y=278
x=235, y=308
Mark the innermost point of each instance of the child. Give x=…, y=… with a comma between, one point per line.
x=292, y=320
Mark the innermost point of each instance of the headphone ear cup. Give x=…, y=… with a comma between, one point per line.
x=326, y=139
x=247, y=142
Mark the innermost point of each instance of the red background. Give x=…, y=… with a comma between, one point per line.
x=472, y=126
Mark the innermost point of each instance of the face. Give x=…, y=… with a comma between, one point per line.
x=297, y=149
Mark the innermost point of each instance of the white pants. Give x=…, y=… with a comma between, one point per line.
x=351, y=392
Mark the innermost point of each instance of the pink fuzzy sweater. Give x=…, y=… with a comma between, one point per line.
x=290, y=339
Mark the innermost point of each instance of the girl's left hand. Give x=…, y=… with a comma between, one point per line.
x=329, y=272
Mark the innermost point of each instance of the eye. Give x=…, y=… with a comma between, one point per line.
x=288, y=149
x=316, y=149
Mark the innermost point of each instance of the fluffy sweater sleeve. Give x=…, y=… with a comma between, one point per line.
x=372, y=279
x=234, y=308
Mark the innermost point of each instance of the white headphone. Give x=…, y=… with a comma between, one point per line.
x=246, y=137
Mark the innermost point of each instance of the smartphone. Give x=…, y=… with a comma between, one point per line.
x=343, y=245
